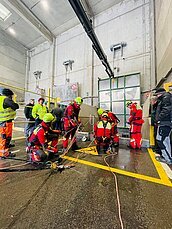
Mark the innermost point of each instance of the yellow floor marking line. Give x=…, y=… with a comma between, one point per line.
x=122, y=172
x=159, y=167
x=90, y=150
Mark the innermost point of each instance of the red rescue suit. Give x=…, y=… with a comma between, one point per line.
x=135, y=120
x=114, y=121
x=70, y=124
x=103, y=130
x=42, y=144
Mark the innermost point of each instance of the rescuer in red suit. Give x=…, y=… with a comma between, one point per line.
x=103, y=133
x=42, y=144
x=135, y=120
x=114, y=121
x=70, y=122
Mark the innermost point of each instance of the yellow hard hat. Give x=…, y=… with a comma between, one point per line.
x=79, y=100
x=100, y=111
x=48, y=117
x=129, y=102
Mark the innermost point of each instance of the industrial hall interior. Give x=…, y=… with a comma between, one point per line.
x=85, y=114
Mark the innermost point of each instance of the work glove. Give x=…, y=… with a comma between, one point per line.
x=57, y=131
x=73, y=122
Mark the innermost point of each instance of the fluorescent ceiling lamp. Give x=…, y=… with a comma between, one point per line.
x=45, y=4
x=4, y=12
x=12, y=31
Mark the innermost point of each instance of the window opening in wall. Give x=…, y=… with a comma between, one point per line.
x=113, y=94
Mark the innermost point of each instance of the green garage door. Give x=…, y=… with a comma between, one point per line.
x=113, y=94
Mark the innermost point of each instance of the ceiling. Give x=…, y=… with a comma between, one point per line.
x=35, y=21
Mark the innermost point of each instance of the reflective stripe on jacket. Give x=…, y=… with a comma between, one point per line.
x=38, y=136
x=39, y=111
x=103, y=128
x=135, y=112
x=7, y=113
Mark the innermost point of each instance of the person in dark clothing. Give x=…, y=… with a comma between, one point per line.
x=58, y=113
x=153, y=108
x=28, y=114
x=164, y=120
x=7, y=113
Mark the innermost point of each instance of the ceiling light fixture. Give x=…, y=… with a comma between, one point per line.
x=4, y=13
x=45, y=4
x=12, y=31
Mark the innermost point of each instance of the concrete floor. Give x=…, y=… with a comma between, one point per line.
x=84, y=197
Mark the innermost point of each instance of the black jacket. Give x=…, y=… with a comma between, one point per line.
x=164, y=109
x=8, y=102
x=28, y=111
x=58, y=113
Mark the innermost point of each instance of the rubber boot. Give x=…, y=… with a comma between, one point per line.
x=75, y=146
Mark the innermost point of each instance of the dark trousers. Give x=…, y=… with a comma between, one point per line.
x=29, y=129
x=37, y=122
x=163, y=139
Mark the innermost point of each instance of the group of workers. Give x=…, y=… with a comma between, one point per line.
x=106, y=133
x=42, y=139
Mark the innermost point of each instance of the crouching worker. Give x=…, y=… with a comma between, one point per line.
x=103, y=133
x=42, y=144
x=114, y=120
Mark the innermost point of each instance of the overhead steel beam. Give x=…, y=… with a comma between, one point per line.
x=24, y=12
x=83, y=18
x=87, y=8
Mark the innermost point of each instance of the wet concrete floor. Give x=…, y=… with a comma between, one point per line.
x=84, y=197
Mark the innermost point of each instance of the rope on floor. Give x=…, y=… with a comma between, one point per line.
x=117, y=190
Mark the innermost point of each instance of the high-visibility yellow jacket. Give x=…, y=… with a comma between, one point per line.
x=39, y=111
x=7, y=113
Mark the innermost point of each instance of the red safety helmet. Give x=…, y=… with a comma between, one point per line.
x=41, y=99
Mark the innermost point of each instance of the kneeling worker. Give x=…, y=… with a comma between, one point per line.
x=7, y=113
x=103, y=133
x=42, y=144
x=114, y=120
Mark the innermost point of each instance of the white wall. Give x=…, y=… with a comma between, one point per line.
x=39, y=61
x=128, y=21
x=12, y=61
x=163, y=37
